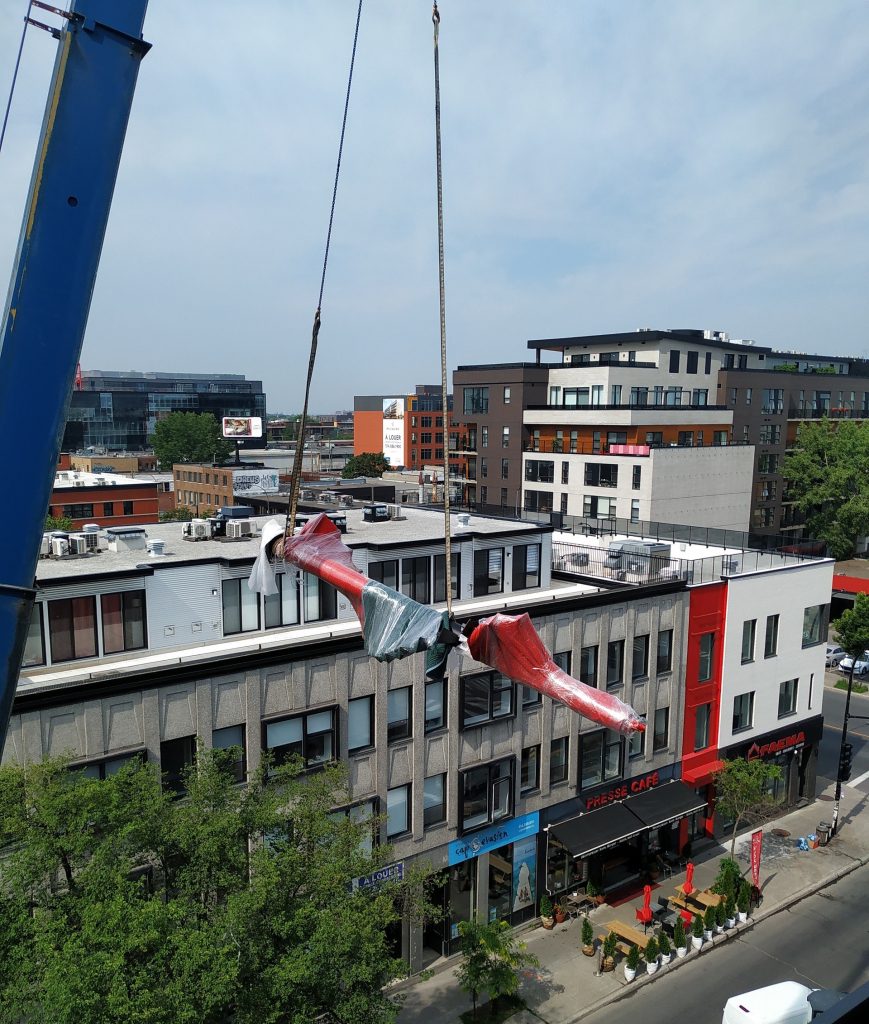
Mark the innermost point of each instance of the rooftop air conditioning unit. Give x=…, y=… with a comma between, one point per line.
x=81, y=543
x=239, y=528
x=45, y=546
x=197, y=529
x=59, y=547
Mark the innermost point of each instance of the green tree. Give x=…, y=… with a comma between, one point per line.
x=851, y=629
x=291, y=430
x=118, y=902
x=189, y=437
x=492, y=956
x=179, y=514
x=828, y=477
x=366, y=464
x=740, y=792
x=57, y=523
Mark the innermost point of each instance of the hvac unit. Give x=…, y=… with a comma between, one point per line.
x=59, y=547
x=197, y=529
x=236, y=528
x=45, y=546
x=81, y=543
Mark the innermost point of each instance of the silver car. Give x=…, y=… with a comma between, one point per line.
x=834, y=655
x=861, y=665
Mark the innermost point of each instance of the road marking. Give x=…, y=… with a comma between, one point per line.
x=860, y=778
x=851, y=732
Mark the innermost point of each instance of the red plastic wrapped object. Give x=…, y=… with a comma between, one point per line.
x=318, y=548
x=510, y=644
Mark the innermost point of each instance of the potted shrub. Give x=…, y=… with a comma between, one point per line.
x=742, y=901
x=728, y=878
x=720, y=916
x=594, y=893
x=679, y=940
x=587, y=937
x=697, y=932
x=730, y=911
x=665, y=948
x=546, y=918
x=632, y=962
x=559, y=911
x=708, y=922
x=651, y=955
x=608, y=962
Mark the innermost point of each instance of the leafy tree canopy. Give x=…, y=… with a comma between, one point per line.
x=189, y=437
x=492, y=956
x=57, y=523
x=851, y=629
x=366, y=464
x=118, y=903
x=179, y=514
x=828, y=477
x=740, y=792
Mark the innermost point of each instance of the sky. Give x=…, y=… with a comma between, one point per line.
x=608, y=165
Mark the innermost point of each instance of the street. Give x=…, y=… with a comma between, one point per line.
x=858, y=735
x=820, y=942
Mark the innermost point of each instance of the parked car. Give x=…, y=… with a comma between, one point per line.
x=834, y=655
x=861, y=665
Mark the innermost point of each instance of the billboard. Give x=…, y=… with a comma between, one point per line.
x=246, y=482
x=393, y=431
x=242, y=426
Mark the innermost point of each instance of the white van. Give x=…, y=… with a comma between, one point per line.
x=784, y=1003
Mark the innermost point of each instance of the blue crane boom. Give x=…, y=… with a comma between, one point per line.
x=98, y=56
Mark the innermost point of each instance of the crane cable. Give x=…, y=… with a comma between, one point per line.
x=448, y=568
x=315, y=331
x=15, y=74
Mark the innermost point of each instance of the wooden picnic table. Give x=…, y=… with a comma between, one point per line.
x=702, y=897
x=632, y=935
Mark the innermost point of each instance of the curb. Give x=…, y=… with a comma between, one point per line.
x=629, y=988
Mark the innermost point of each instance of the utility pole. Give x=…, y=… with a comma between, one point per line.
x=842, y=751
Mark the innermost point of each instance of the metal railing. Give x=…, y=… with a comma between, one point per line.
x=552, y=446
x=641, y=406
x=807, y=412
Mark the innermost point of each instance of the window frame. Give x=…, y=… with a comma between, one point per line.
x=444, y=722
x=644, y=657
x=563, y=763
x=739, y=697
x=792, y=693
x=527, y=764
x=492, y=677
x=494, y=578
x=590, y=678
x=706, y=658
x=173, y=780
x=664, y=663
x=399, y=729
x=493, y=781
x=358, y=701
x=661, y=735
x=706, y=719
x=431, y=822
x=614, y=680
x=408, y=812
x=244, y=595
x=608, y=739
x=308, y=763
x=54, y=612
x=238, y=767
x=749, y=640
x=770, y=640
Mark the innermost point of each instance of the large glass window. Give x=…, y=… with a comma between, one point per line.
x=770, y=644
x=615, y=662
x=360, y=723
x=398, y=714
x=434, y=800
x=415, y=578
x=749, y=631
x=787, y=698
x=640, y=662
x=476, y=400
x=435, y=705
x=72, y=628
x=385, y=572
x=701, y=726
x=661, y=736
x=588, y=665
x=231, y=739
x=34, y=647
x=123, y=621
x=600, y=757
x=240, y=608
x=397, y=811
x=176, y=756
x=526, y=566
x=282, y=608
x=487, y=794
x=743, y=711
x=558, y=751
x=320, y=599
x=440, y=589
x=530, y=771
x=488, y=572
x=486, y=697
x=707, y=648
x=601, y=474
x=310, y=737
x=814, y=624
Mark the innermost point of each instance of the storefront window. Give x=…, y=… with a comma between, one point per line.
x=462, y=894
x=500, y=882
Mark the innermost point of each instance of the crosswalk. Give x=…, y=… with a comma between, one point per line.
x=854, y=783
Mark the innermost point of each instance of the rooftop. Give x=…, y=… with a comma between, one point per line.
x=72, y=478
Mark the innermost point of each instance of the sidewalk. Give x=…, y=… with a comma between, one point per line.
x=566, y=988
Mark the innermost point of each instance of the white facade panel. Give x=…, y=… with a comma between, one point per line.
x=184, y=606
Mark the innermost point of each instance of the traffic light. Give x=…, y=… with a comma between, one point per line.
x=845, y=762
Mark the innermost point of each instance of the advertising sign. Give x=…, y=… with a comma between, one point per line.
x=246, y=482
x=524, y=873
x=492, y=838
x=393, y=431
x=242, y=426
x=756, y=845
x=388, y=873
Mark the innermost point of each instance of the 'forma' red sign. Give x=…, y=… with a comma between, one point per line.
x=791, y=742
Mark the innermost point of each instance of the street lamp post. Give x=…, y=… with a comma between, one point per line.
x=843, y=772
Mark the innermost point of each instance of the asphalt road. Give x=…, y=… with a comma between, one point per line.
x=820, y=942
x=858, y=736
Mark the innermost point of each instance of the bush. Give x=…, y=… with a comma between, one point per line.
x=730, y=907
x=664, y=944
x=609, y=945
x=743, y=898
x=545, y=906
x=728, y=879
x=709, y=919
x=679, y=932
x=697, y=927
x=633, y=958
x=720, y=914
x=651, y=952
x=587, y=932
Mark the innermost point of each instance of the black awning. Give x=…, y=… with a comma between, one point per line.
x=595, y=830
x=663, y=804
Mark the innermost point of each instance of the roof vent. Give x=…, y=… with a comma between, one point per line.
x=155, y=547
x=464, y=520
x=91, y=528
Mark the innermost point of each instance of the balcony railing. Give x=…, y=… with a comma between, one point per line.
x=621, y=364
x=642, y=406
x=816, y=412
x=546, y=446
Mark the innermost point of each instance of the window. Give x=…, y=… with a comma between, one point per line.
x=558, y=760
x=640, y=662
x=72, y=628
x=526, y=566
x=34, y=647
x=601, y=474
x=397, y=811
x=600, y=757
x=434, y=800
x=476, y=400
x=484, y=436
x=123, y=618
x=708, y=362
x=748, y=396
x=719, y=438
x=484, y=495
x=654, y=437
x=565, y=472
x=700, y=396
x=665, y=650
x=691, y=362
x=636, y=477
x=85, y=511
x=505, y=437
x=240, y=607
x=767, y=463
x=770, y=433
x=598, y=508
x=701, y=726
x=661, y=735
x=538, y=501
x=506, y=395
x=503, y=497
x=635, y=745
x=707, y=648
x=531, y=698
x=616, y=437
x=486, y=793
x=540, y=471
x=787, y=698
x=770, y=644
x=484, y=468
x=128, y=508
x=282, y=608
x=505, y=469
x=743, y=711
x=635, y=510
x=488, y=572
x=530, y=770
x=749, y=629
x=108, y=508
x=310, y=737
x=440, y=583
x=615, y=662
x=815, y=624
x=486, y=697
x=415, y=578
x=588, y=665
x=773, y=401
x=109, y=766
x=320, y=599
x=686, y=438
x=176, y=756
x=674, y=360
x=232, y=739
x=398, y=711
x=360, y=724
x=435, y=705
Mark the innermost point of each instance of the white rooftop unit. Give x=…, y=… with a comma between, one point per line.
x=127, y=538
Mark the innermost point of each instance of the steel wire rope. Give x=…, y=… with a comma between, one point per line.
x=15, y=74
x=300, y=437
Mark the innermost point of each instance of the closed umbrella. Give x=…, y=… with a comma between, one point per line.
x=688, y=887
x=644, y=914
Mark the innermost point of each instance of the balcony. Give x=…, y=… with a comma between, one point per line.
x=552, y=447
x=815, y=412
x=642, y=406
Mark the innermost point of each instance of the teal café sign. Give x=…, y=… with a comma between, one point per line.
x=491, y=838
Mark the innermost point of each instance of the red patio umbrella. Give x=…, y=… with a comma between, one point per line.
x=688, y=887
x=687, y=917
x=644, y=914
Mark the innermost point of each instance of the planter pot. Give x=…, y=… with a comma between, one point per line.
x=560, y=917
x=666, y=958
x=742, y=918
x=588, y=950
x=681, y=952
x=608, y=964
x=651, y=967
x=707, y=935
x=548, y=923
x=696, y=942
x=731, y=922
x=630, y=973
x=719, y=928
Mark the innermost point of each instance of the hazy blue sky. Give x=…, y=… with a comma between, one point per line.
x=608, y=165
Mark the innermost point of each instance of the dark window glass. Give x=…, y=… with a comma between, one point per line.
x=600, y=757
x=320, y=600
x=665, y=650
x=488, y=572
x=661, y=738
x=72, y=628
x=128, y=508
x=231, y=739
x=787, y=698
x=123, y=621
x=709, y=362
x=440, y=561
x=108, y=508
x=815, y=624
x=743, y=711
x=415, y=578
x=398, y=711
x=360, y=723
x=526, y=566
x=701, y=726
x=615, y=662
x=486, y=697
x=434, y=800
x=176, y=756
x=691, y=362
x=674, y=360
x=486, y=794
x=640, y=664
x=282, y=608
x=558, y=761
x=310, y=737
x=770, y=646
x=530, y=770
x=588, y=665
x=707, y=647
x=385, y=572
x=34, y=648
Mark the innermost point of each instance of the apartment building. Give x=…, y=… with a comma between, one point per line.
x=108, y=499
x=141, y=649
x=408, y=429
